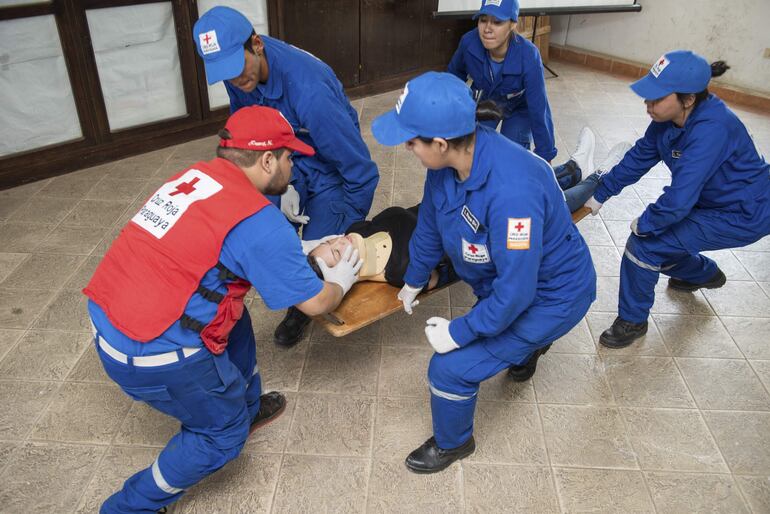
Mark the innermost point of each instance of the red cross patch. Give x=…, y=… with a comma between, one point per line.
x=518, y=233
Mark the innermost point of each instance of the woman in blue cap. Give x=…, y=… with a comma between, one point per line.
x=496, y=211
x=507, y=68
x=719, y=195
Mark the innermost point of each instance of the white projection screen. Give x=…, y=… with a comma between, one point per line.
x=455, y=7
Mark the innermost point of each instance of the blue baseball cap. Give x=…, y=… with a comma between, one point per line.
x=432, y=105
x=219, y=36
x=680, y=71
x=500, y=9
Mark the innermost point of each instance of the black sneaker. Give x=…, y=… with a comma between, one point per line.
x=289, y=331
x=525, y=371
x=715, y=282
x=271, y=405
x=622, y=333
x=429, y=458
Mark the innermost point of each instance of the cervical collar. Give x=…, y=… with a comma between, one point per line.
x=374, y=252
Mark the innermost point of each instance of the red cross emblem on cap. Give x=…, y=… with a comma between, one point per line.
x=207, y=38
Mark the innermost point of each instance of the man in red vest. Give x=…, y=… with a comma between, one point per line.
x=167, y=302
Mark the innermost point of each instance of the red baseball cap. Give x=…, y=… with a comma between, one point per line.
x=262, y=128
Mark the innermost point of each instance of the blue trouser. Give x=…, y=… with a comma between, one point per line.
x=454, y=377
x=675, y=253
x=516, y=128
x=214, y=397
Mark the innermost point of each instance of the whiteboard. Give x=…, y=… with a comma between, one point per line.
x=542, y=6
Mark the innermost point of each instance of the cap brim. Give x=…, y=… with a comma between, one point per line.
x=298, y=146
x=648, y=89
x=225, y=68
x=387, y=130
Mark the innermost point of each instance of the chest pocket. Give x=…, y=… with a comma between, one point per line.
x=472, y=247
x=510, y=94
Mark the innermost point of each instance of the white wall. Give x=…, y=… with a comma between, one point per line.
x=737, y=31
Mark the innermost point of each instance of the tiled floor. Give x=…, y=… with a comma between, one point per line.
x=679, y=422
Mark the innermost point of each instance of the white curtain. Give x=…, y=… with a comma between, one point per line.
x=36, y=103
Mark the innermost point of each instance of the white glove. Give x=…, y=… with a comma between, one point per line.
x=345, y=273
x=634, y=228
x=290, y=206
x=593, y=205
x=437, y=332
x=407, y=296
x=309, y=246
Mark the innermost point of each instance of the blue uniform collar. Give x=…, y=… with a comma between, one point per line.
x=481, y=163
x=511, y=66
x=273, y=88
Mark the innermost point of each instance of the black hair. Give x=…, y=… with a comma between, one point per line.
x=486, y=110
x=247, y=44
x=718, y=68
x=314, y=266
x=240, y=157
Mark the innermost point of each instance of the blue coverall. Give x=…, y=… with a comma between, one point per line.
x=509, y=234
x=719, y=197
x=214, y=397
x=336, y=185
x=519, y=89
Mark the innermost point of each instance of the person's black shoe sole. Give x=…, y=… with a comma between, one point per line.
x=280, y=407
x=715, y=282
x=526, y=371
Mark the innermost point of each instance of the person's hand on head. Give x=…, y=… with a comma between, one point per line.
x=345, y=273
x=407, y=296
x=290, y=206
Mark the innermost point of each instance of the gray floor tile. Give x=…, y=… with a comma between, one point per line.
x=750, y=334
x=744, y=438
x=391, y=484
x=600, y=430
x=647, y=382
x=756, y=490
x=404, y=372
x=47, y=477
x=724, y=384
x=508, y=432
x=19, y=307
x=572, y=379
x=44, y=355
x=8, y=339
x=696, y=336
x=668, y=439
x=488, y=488
x=739, y=299
x=23, y=403
x=24, y=237
x=685, y=492
x=602, y=490
x=321, y=484
x=341, y=368
x=42, y=271
x=332, y=425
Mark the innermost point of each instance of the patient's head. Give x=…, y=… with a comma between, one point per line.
x=331, y=251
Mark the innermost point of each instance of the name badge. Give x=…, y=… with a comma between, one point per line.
x=470, y=219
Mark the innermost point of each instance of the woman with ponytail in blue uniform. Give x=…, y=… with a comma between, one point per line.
x=496, y=211
x=507, y=69
x=719, y=195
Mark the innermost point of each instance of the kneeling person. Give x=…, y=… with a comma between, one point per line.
x=167, y=302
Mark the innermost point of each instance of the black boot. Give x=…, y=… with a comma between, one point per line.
x=289, y=331
x=524, y=372
x=271, y=405
x=715, y=282
x=429, y=458
x=622, y=333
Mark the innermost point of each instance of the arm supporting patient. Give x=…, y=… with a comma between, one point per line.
x=326, y=301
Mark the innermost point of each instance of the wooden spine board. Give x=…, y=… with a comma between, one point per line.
x=368, y=302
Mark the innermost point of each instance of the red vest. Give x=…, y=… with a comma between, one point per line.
x=157, y=262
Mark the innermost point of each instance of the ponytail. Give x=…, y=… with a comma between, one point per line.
x=718, y=68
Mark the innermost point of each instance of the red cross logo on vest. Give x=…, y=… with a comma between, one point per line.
x=185, y=188
x=473, y=249
x=519, y=227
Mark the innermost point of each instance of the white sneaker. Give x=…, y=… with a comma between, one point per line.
x=616, y=154
x=584, y=152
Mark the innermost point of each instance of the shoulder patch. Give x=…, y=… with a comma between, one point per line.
x=518, y=233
